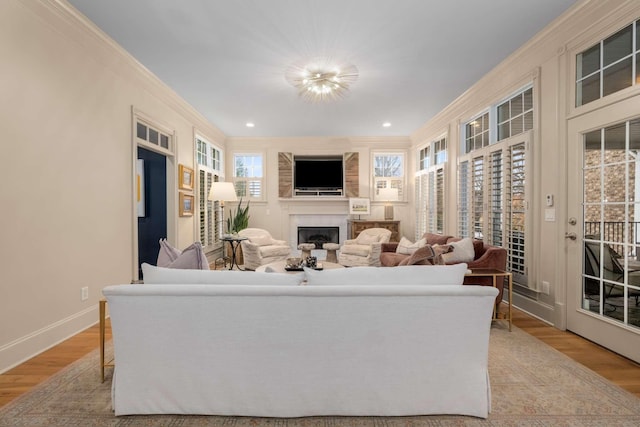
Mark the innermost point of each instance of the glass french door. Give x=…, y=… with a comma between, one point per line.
x=603, y=232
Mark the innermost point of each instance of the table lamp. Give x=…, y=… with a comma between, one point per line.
x=388, y=195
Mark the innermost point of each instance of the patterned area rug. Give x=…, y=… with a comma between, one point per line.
x=532, y=385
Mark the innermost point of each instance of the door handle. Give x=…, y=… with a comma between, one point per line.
x=571, y=236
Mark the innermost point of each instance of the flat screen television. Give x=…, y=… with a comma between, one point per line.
x=318, y=173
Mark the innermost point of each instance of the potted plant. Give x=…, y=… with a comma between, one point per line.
x=238, y=219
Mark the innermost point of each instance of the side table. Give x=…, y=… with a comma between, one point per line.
x=103, y=325
x=495, y=274
x=234, y=241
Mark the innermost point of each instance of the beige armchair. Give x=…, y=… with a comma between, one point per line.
x=364, y=249
x=260, y=248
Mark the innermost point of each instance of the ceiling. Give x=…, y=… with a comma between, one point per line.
x=227, y=58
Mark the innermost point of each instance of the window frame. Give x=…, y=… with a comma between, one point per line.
x=206, y=207
x=378, y=182
x=249, y=179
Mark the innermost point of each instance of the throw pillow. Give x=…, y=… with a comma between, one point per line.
x=367, y=239
x=421, y=256
x=406, y=247
x=166, y=276
x=192, y=257
x=167, y=254
x=401, y=275
x=462, y=252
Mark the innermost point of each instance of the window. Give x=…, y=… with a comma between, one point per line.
x=153, y=136
x=248, y=175
x=208, y=158
x=608, y=66
x=388, y=172
x=477, y=133
x=208, y=155
x=430, y=188
x=492, y=187
x=515, y=115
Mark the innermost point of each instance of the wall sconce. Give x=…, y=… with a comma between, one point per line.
x=388, y=195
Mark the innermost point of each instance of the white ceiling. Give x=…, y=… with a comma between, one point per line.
x=227, y=58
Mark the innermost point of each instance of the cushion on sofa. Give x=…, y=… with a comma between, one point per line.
x=407, y=247
x=463, y=251
x=167, y=253
x=402, y=275
x=162, y=276
x=436, y=239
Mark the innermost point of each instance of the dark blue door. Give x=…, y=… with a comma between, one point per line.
x=153, y=226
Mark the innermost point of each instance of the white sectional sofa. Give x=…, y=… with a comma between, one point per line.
x=348, y=342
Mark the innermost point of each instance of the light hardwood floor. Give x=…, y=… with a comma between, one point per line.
x=617, y=369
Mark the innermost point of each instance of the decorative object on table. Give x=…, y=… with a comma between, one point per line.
x=185, y=178
x=388, y=195
x=298, y=264
x=185, y=207
x=359, y=206
x=311, y=262
x=239, y=219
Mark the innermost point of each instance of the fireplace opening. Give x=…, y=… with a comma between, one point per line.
x=318, y=235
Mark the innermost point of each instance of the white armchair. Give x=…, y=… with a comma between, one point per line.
x=364, y=249
x=260, y=248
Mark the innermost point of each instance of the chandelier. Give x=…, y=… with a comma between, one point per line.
x=320, y=80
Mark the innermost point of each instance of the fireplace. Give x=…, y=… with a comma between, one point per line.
x=318, y=235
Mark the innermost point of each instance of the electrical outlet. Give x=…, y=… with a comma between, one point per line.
x=85, y=293
x=545, y=288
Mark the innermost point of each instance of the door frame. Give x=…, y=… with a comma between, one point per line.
x=617, y=337
x=172, y=188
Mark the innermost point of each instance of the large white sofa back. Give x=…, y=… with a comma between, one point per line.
x=291, y=351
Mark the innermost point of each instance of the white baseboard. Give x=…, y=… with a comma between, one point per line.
x=28, y=346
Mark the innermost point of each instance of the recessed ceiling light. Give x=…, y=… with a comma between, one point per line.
x=250, y=124
x=386, y=125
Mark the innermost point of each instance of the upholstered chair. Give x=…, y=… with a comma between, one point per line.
x=365, y=249
x=260, y=248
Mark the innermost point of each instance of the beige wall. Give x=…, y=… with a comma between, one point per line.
x=66, y=211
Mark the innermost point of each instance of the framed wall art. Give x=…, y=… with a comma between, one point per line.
x=359, y=206
x=186, y=202
x=186, y=178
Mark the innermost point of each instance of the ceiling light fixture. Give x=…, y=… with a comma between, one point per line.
x=250, y=124
x=321, y=80
x=386, y=125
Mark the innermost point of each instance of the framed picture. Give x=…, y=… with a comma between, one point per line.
x=186, y=204
x=358, y=206
x=185, y=178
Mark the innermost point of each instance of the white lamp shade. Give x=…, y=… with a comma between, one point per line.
x=223, y=191
x=388, y=194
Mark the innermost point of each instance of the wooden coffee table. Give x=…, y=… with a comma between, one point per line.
x=278, y=267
